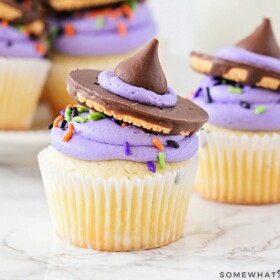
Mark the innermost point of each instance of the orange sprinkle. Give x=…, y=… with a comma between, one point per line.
x=115, y=13
x=127, y=11
x=121, y=27
x=57, y=121
x=69, y=106
x=4, y=23
x=69, y=133
x=69, y=30
x=40, y=49
x=97, y=13
x=158, y=144
x=124, y=124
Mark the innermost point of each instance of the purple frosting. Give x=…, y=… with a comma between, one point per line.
x=114, y=84
x=14, y=43
x=245, y=56
x=225, y=109
x=91, y=41
x=104, y=140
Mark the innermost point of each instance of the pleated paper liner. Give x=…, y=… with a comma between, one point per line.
x=21, y=83
x=241, y=168
x=118, y=214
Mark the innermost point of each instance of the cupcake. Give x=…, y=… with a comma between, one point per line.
x=240, y=156
x=120, y=170
x=23, y=69
x=94, y=34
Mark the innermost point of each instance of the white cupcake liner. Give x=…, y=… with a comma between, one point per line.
x=239, y=168
x=21, y=83
x=118, y=215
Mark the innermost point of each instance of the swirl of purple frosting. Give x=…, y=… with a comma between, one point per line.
x=114, y=84
x=104, y=140
x=233, y=109
x=90, y=40
x=245, y=56
x=14, y=43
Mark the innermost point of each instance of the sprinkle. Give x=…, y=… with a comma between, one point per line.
x=79, y=119
x=62, y=113
x=4, y=23
x=245, y=104
x=197, y=93
x=74, y=112
x=124, y=124
x=260, y=109
x=151, y=166
x=99, y=23
x=132, y=3
x=158, y=144
x=96, y=116
x=161, y=158
x=40, y=49
x=233, y=89
x=50, y=126
x=67, y=114
x=57, y=121
x=69, y=30
x=209, y=97
x=63, y=124
x=69, y=133
x=127, y=150
x=173, y=144
x=121, y=27
x=127, y=11
x=82, y=110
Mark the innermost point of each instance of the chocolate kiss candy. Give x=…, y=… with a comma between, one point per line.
x=261, y=41
x=144, y=69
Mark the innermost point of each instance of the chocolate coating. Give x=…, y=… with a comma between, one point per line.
x=222, y=66
x=261, y=41
x=185, y=116
x=144, y=69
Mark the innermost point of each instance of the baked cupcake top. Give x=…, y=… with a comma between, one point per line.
x=248, y=104
x=139, y=118
x=23, y=32
x=104, y=30
x=253, y=61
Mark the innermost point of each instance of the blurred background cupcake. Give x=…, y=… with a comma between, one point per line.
x=93, y=34
x=240, y=156
x=23, y=68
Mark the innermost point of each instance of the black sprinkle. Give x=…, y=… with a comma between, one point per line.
x=50, y=126
x=9, y=44
x=245, y=104
x=63, y=124
x=173, y=144
x=96, y=84
x=208, y=95
x=74, y=112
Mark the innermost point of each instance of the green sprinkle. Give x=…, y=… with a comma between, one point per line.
x=96, y=116
x=132, y=3
x=235, y=89
x=260, y=109
x=67, y=114
x=52, y=35
x=82, y=110
x=99, y=23
x=79, y=119
x=161, y=159
x=224, y=82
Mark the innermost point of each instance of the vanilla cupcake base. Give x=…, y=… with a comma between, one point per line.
x=239, y=167
x=21, y=84
x=116, y=205
x=55, y=92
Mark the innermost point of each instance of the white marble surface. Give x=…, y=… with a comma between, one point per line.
x=219, y=238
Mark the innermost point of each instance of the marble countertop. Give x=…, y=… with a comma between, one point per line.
x=219, y=239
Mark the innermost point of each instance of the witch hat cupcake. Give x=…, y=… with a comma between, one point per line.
x=119, y=173
x=240, y=161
